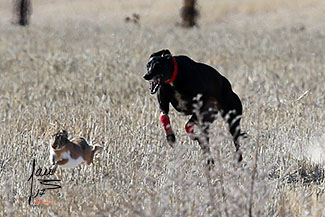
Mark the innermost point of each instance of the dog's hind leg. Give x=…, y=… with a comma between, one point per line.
x=203, y=140
x=202, y=137
x=231, y=111
x=233, y=120
x=189, y=127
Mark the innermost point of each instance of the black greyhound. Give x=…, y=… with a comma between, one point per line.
x=193, y=89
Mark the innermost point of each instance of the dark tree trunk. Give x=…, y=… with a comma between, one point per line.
x=23, y=10
x=189, y=13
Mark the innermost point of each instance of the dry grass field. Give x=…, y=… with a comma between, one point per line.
x=79, y=67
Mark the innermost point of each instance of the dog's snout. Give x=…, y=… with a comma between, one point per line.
x=146, y=76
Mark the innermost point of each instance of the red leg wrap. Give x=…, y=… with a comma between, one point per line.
x=189, y=128
x=164, y=119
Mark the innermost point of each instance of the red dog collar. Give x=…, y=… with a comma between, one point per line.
x=174, y=73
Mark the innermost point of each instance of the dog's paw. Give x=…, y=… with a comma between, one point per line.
x=171, y=139
x=239, y=156
x=210, y=163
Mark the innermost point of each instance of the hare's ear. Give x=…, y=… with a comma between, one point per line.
x=161, y=53
x=56, y=134
x=64, y=133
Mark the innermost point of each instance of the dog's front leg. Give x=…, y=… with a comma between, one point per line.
x=164, y=119
x=164, y=96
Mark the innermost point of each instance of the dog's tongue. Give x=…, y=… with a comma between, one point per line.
x=154, y=86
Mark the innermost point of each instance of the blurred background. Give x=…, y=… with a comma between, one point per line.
x=78, y=65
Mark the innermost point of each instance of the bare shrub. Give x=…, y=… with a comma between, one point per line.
x=189, y=13
x=23, y=11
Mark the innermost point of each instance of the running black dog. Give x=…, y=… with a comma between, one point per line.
x=193, y=89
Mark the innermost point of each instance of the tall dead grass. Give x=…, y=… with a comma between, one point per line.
x=86, y=77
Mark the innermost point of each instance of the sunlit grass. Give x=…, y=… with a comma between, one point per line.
x=86, y=77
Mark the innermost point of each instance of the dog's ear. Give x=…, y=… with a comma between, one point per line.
x=166, y=53
x=161, y=53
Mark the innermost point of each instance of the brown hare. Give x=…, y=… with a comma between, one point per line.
x=69, y=154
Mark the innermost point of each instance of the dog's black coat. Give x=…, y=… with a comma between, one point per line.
x=194, y=79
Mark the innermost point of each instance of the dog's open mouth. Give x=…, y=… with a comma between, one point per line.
x=154, y=85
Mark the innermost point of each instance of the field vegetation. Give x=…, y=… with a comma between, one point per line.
x=79, y=67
